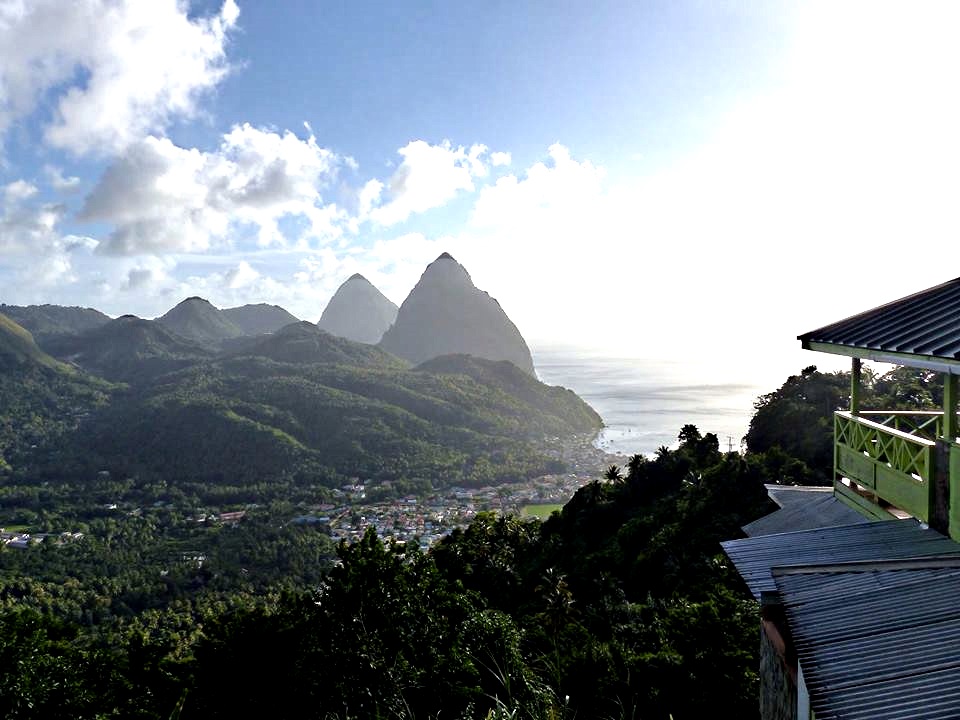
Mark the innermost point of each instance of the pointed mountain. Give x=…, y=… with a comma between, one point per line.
x=304, y=342
x=358, y=312
x=196, y=319
x=446, y=314
x=259, y=319
x=129, y=349
x=43, y=321
x=19, y=351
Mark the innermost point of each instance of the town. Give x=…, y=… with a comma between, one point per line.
x=351, y=509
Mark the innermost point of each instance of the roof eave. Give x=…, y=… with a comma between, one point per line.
x=926, y=362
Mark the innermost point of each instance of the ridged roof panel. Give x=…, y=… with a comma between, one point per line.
x=877, y=640
x=803, y=508
x=755, y=557
x=926, y=323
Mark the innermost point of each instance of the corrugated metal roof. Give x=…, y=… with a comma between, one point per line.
x=926, y=323
x=877, y=640
x=804, y=509
x=786, y=495
x=879, y=540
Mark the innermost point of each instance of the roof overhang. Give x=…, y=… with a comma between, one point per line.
x=926, y=362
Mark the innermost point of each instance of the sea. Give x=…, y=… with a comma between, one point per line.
x=645, y=401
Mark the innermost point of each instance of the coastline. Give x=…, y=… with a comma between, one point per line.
x=645, y=402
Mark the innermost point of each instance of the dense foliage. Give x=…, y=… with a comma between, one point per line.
x=300, y=410
x=792, y=428
x=618, y=606
x=162, y=604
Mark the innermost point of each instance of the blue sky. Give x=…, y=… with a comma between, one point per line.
x=697, y=179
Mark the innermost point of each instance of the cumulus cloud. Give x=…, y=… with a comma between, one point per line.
x=59, y=181
x=498, y=159
x=118, y=70
x=160, y=197
x=30, y=238
x=429, y=177
x=547, y=192
x=147, y=275
x=18, y=190
x=243, y=275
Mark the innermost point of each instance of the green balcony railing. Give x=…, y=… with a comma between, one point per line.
x=891, y=453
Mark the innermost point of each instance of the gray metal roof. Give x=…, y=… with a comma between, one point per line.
x=877, y=640
x=754, y=557
x=803, y=508
x=925, y=324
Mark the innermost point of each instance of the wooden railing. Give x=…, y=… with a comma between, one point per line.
x=891, y=453
x=922, y=423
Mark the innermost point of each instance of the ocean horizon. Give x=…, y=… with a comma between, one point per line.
x=645, y=401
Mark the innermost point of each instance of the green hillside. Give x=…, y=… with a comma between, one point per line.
x=48, y=321
x=251, y=419
x=259, y=319
x=42, y=401
x=129, y=349
x=304, y=342
x=197, y=320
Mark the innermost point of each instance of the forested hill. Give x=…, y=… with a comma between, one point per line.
x=42, y=401
x=128, y=349
x=619, y=606
x=250, y=419
x=299, y=405
x=46, y=321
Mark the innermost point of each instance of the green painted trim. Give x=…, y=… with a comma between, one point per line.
x=950, y=407
x=953, y=524
x=930, y=362
x=860, y=504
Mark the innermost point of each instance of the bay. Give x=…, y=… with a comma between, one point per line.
x=645, y=401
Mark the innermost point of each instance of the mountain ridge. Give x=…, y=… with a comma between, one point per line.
x=197, y=319
x=445, y=313
x=358, y=311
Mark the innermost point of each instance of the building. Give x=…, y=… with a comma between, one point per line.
x=859, y=589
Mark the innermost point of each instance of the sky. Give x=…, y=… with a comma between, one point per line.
x=688, y=179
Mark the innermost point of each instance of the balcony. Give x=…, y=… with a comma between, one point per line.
x=889, y=457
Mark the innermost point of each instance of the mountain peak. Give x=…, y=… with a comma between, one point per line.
x=197, y=319
x=446, y=313
x=259, y=319
x=358, y=312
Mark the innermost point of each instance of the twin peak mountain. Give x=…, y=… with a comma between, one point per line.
x=444, y=314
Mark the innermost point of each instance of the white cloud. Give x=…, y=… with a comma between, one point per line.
x=149, y=275
x=547, y=193
x=429, y=177
x=243, y=275
x=18, y=190
x=118, y=70
x=498, y=159
x=369, y=196
x=31, y=241
x=163, y=198
x=27, y=229
x=60, y=182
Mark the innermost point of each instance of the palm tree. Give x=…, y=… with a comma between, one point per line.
x=613, y=474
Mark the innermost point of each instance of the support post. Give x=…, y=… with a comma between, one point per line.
x=946, y=482
x=949, y=431
x=855, y=386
